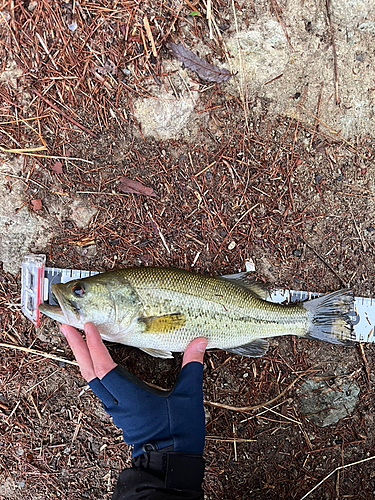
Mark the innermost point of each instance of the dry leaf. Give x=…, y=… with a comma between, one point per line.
x=128, y=186
x=204, y=70
x=57, y=167
x=37, y=204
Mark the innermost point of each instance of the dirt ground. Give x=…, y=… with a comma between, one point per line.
x=244, y=182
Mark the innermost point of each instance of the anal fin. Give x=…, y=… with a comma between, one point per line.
x=254, y=349
x=157, y=353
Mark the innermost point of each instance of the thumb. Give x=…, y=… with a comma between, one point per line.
x=195, y=351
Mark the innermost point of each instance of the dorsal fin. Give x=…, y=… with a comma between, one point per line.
x=250, y=283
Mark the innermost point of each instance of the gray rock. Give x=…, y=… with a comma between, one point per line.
x=81, y=213
x=21, y=230
x=261, y=52
x=324, y=404
x=308, y=68
x=165, y=117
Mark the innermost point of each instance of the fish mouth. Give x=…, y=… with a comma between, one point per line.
x=53, y=312
x=61, y=312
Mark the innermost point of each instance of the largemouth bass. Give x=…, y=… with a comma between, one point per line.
x=160, y=310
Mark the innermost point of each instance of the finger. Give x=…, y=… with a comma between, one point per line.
x=195, y=351
x=102, y=361
x=80, y=351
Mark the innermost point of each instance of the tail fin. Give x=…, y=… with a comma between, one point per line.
x=329, y=317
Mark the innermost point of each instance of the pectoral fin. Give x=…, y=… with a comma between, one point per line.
x=163, y=324
x=254, y=349
x=157, y=353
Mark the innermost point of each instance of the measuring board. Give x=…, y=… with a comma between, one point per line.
x=37, y=280
x=36, y=284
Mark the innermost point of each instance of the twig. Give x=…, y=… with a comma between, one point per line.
x=324, y=261
x=362, y=352
x=62, y=113
x=24, y=179
x=281, y=21
x=341, y=467
x=149, y=35
x=46, y=50
x=39, y=353
x=204, y=169
x=41, y=381
x=234, y=444
x=252, y=408
x=66, y=158
x=357, y=229
x=209, y=18
x=228, y=440
x=158, y=228
x=243, y=83
x=335, y=133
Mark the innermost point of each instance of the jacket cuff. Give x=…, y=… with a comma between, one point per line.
x=178, y=470
x=161, y=475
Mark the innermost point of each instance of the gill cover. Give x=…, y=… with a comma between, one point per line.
x=108, y=300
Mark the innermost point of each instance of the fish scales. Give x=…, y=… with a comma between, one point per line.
x=224, y=313
x=161, y=310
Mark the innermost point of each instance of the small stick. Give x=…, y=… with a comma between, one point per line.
x=35, y=406
x=252, y=408
x=76, y=430
x=25, y=119
x=324, y=262
x=39, y=353
x=357, y=229
x=209, y=18
x=235, y=444
x=228, y=440
x=158, y=228
x=193, y=8
x=334, y=132
x=204, y=169
x=281, y=21
x=35, y=385
x=149, y=35
x=336, y=470
x=46, y=49
x=24, y=179
x=62, y=113
x=66, y=158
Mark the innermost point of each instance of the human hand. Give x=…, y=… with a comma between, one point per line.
x=150, y=419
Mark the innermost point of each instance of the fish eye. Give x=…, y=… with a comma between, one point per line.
x=78, y=290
